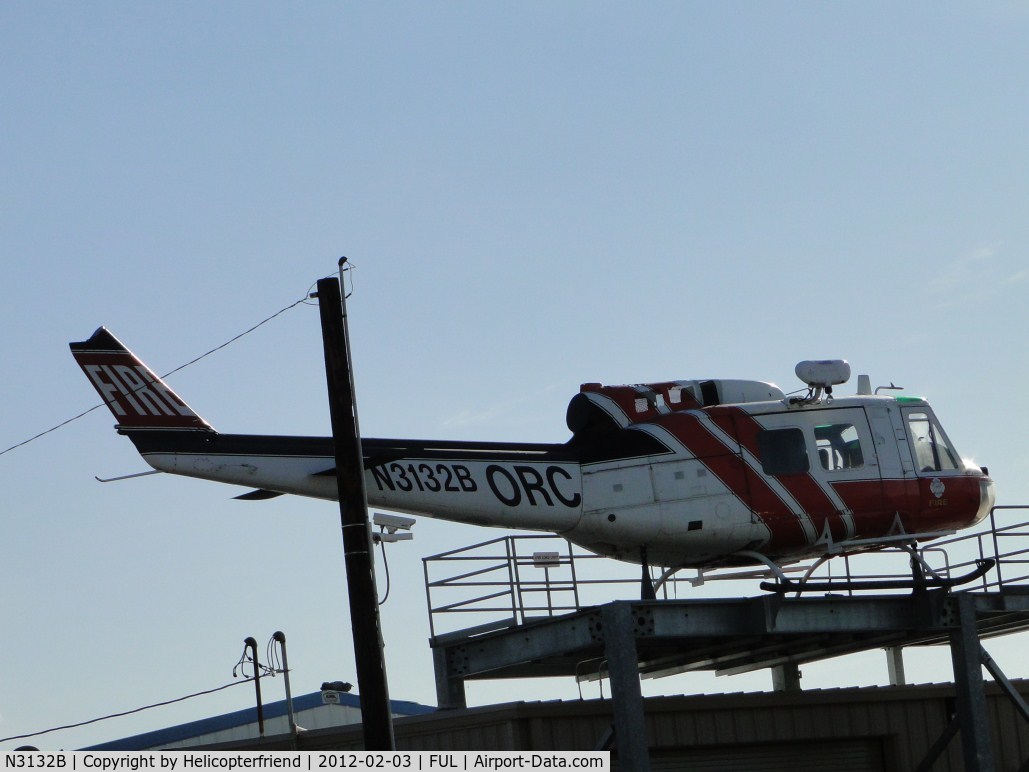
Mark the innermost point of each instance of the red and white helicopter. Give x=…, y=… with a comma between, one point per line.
x=681, y=473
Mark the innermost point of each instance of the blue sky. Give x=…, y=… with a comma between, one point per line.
x=535, y=195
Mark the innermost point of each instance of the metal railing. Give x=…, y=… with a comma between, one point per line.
x=491, y=580
x=512, y=580
x=515, y=579
x=1012, y=565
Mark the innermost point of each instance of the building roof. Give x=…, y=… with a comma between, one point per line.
x=239, y=718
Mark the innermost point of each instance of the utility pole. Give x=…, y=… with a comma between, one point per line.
x=251, y=643
x=376, y=718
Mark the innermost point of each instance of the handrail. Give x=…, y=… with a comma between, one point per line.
x=528, y=588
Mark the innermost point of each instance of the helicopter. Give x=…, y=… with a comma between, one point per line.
x=684, y=473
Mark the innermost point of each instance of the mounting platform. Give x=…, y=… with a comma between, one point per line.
x=725, y=635
x=622, y=640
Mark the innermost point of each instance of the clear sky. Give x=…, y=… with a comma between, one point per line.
x=535, y=195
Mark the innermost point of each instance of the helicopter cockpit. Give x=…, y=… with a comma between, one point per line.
x=932, y=450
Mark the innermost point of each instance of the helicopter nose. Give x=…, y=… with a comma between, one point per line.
x=987, y=497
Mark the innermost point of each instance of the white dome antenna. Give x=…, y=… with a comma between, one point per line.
x=820, y=375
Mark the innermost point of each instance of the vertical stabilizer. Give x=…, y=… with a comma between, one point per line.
x=136, y=397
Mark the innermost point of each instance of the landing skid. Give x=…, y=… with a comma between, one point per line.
x=923, y=576
x=919, y=581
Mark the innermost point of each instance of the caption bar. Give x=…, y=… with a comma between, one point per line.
x=190, y=761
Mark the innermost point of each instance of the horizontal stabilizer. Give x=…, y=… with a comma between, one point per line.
x=259, y=495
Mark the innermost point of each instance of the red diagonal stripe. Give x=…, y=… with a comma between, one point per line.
x=804, y=488
x=730, y=468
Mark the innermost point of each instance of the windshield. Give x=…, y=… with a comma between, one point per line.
x=933, y=451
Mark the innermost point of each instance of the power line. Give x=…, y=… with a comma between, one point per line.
x=51, y=429
x=125, y=713
x=171, y=372
x=237, y=337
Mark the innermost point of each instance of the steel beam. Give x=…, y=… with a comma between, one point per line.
x=450, y=692
x=895, y=665
x=968, y=682
x=626, y=696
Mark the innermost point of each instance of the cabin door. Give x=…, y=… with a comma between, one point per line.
x=823, y=465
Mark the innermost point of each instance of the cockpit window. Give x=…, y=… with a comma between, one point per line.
x=933, y=452
x=838, y=447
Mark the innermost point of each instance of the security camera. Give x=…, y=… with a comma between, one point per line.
x=392, y=522
x=391, y=538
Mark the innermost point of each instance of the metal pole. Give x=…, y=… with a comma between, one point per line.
x=376, y=719
x=280, y=637
x=996, y=546
x=251, y=643
x=895, y=665
x=647, y=591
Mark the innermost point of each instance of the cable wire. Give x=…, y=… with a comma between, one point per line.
x=51, y=429
x=233, y=340
x=385, y=563
x=283, y=310
x=125, y=713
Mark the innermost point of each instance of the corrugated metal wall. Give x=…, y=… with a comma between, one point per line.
x=877, y=729
x=838, y=756
x=894, y=727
